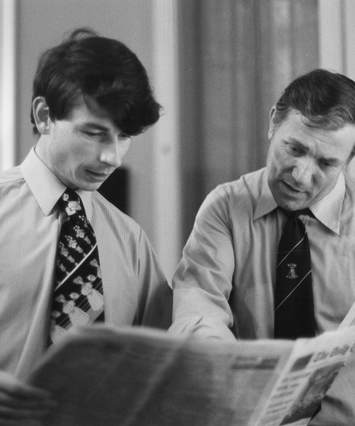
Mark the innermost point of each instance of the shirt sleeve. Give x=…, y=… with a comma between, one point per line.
x=155, y=293
x=203, y=280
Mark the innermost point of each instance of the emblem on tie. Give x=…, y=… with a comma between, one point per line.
x=292, y=271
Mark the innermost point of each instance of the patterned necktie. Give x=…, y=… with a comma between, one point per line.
x=78, y=293
x=294, y=309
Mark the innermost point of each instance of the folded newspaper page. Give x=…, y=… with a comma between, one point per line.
x=304, y=381
x=138, y=376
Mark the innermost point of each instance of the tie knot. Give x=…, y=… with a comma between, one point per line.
x=70, y=202
x=294, y=214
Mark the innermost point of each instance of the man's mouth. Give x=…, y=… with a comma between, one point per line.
x=98, y=174
x=292, y=188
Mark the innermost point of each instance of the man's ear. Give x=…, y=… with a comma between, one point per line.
x=272, y=125
x=41, y=114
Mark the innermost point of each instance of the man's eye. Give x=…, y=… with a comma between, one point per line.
x=295, y=150
x=92, y=134
x=325, y=163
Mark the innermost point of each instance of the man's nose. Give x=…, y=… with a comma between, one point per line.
x=303, y=172
x=112, y=154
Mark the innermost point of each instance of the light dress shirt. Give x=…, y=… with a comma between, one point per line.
x=224, y=283
x=135, y=289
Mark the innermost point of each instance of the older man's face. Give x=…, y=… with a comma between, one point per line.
x=304, y=162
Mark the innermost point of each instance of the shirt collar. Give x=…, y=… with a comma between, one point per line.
x=327, y=210
x=265, y=203
x=46, y=187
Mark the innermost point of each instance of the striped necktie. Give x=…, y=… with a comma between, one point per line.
x=294, y=308
x=78, y=293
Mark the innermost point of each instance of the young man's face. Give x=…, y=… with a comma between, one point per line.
x=85, y=148
x=304, y=162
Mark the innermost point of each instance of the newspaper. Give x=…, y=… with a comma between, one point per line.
x=102, y=376
x=304, y=381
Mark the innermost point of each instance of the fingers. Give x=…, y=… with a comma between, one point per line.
x=21, y=401
x=19, y=413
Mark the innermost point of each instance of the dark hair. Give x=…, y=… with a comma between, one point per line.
x=96, y=68
x=325, y=98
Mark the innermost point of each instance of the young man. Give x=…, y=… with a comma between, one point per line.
x=67, y=256
x=240, y=277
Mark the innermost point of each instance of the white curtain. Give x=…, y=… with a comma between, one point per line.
x=236, y=56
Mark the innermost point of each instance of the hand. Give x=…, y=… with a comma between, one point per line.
x=21, y=403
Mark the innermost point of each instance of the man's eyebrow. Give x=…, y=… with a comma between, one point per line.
x=294, y=140
x=94, y=126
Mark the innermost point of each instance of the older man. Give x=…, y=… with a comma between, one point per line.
x=272, y=254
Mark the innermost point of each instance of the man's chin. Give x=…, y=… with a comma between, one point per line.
x=89, y=186
x=292, y=206
x=292, y=203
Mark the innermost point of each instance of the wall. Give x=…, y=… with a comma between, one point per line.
x=337, y=35
x=337, y=40
x=7, y=82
